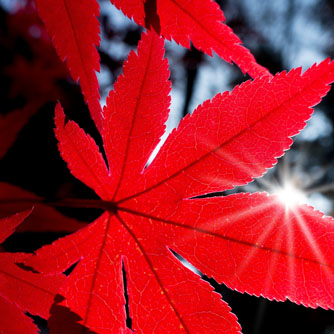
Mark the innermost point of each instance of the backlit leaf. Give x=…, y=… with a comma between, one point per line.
x=252, y=243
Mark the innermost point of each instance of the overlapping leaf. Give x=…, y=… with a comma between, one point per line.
x=74, y=29
x=34, y=78
x=43, y=218
x=252, y=243
x=14, y=321
x=133, y=9
x=21, y=290
x=8, y=224
x=198, y=21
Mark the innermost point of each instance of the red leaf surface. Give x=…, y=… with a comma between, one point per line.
x=83, y=155
x=132, y=8
x=21, y=290
x=30, y=291
x=252, y=243
x=8, y=224
x=137, y=112
x=15, y=321
x=74, y=29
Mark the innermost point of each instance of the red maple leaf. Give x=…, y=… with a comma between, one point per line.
x=74, y=29
x=198, y=21
x=15, y=321
x=250, y=242
x=21, y=290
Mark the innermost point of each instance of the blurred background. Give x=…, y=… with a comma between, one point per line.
x=282, y=34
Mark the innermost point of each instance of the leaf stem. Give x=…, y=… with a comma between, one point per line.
x=65, y=202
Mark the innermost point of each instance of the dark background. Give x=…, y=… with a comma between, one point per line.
x=281, y=34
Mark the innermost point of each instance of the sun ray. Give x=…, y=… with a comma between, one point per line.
x=321, y=189
x=291, y=260
x=312, y=242
x=259, y=243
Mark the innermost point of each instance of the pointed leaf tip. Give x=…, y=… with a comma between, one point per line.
x=236, y=136
x=136, y=111
x=79, y=47
x=8, y=224
x=81, y=153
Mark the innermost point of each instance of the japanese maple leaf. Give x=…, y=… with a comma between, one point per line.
x=198, y=21
x=250, y=242
x=21, y=290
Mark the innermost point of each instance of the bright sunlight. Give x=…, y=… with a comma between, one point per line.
x=290, y=195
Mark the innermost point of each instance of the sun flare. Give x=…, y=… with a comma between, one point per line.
x=289, y=195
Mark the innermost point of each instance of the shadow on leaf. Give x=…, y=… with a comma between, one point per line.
x=63, y=320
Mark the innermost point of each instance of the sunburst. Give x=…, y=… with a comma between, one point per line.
x=290, y=195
